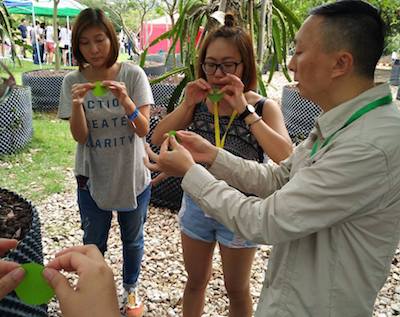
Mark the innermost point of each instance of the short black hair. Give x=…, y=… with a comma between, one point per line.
x=357, y=26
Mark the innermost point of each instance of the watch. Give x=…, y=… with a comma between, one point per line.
x=247, y=111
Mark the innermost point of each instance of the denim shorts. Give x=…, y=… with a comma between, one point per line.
x=199, y=226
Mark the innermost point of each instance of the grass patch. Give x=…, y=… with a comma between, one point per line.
x=41, y=168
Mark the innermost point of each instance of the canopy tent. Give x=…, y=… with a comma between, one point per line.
x=65, y=8
x=150, y=30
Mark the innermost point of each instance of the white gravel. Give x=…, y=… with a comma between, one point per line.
x=163, y=275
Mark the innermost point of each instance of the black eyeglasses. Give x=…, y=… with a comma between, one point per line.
x=6, y=83
x=226, y=67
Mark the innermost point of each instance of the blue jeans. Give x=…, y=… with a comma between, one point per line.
x=96, y=225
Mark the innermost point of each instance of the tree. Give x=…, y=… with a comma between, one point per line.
x=171, y=8
x=144, y=7
x=55, y=28
x=6, y=31
x=390, y=11
x=270, y=17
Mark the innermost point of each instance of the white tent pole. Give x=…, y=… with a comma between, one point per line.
x=36, y=38
x=69, y=46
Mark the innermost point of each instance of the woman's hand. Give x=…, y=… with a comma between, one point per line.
x=118, y=89
x=11, y=274
x=233, y=92
x=95, y=293
x=78, y=92
x=196, y=91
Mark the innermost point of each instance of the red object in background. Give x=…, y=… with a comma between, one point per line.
x=152, y=29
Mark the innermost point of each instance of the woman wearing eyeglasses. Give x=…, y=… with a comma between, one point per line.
x=249, y=126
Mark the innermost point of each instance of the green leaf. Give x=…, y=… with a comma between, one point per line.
x=169, y=74
x=261, y=85
x=215, y=96
x=177, y=94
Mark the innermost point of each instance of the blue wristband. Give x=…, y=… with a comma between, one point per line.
x=133, y=115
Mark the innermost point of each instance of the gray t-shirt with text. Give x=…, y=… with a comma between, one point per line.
x=112, y=157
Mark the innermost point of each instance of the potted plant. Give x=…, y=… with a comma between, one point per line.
x=16, y=128
x=299, y=113
x=45, y=86
x=19, y=220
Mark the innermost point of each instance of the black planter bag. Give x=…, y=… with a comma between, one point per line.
x=29, y=249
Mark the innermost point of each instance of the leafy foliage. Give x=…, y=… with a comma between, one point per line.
x=197, y=17
x=390, y=10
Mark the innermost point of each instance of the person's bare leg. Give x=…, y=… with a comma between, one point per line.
x=236, y=264
x=197, y=256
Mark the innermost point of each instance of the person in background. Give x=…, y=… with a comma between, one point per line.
x=65, y=44
x=42, y=38
x=35, y=36
x=226, y=62
x=49, y=43
x=110, y=129
x=332, y=209
x=24, y=34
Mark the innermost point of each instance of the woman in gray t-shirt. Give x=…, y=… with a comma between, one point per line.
x=108, y=107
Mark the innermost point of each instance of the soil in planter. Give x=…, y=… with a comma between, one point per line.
x=15, y=217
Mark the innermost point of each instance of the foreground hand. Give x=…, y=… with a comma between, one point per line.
x=11, y=274
x=174, y=162
x=95, y=293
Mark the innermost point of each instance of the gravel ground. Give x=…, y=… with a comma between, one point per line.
x=163, y=275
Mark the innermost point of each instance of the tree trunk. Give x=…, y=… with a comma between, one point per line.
x=261, y=34
x=171, y=15
x=55, y=34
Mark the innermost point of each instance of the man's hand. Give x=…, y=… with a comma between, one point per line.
x=201, y=150
x=174, y=159
x=95, y=293
x=11, y=274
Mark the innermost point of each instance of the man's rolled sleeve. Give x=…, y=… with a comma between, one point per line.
x=195, y=179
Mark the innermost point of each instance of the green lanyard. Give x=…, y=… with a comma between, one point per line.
x=356, y=115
